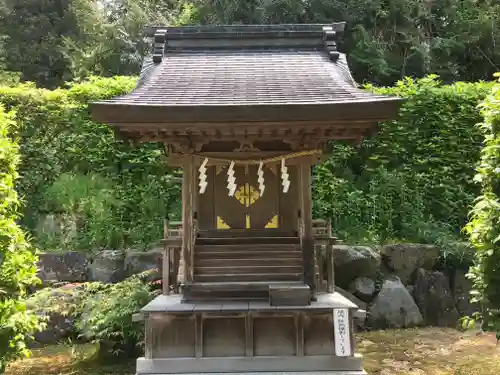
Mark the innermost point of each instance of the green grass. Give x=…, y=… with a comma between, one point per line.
x=429, y=351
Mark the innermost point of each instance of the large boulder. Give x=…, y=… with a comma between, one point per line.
x=363, y=288
x=354, y=261
x=461, y=294
x=139, y=262
x=403, y=260
x=434, y=298
x=108, y=266
x=71, y=266
x=393, y=307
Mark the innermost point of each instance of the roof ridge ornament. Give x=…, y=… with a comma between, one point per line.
x=329, y=41
x=160, y=40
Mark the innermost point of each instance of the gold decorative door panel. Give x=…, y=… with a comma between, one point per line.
x=247, y=209
x=229, y=212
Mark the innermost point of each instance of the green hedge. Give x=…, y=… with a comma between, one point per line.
x=17, y=258
x=119, y=193
x=413, y=180
x=484, y=226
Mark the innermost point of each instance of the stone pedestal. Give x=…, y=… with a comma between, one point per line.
x=249, y=337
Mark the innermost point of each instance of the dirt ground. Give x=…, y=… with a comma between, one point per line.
x=428, y=351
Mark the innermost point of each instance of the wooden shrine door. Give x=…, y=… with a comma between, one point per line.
x=247, y=209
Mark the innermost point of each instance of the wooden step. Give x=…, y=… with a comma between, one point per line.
x=247, y=240
x=244, y=270
x=230, y=277
x=241, y=285
x=233, y=248
x=249, y=262
x=225, y=295
x=231, y=291
x=224, y=233
x=247, y=254
x=289, y=295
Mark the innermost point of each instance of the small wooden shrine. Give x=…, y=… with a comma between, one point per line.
x=246, y=111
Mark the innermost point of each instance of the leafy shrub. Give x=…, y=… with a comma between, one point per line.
x=17, y=258
x=66, y=301
x=413, y=180
x=101, y=313
x=106, y=316
x=484, y=224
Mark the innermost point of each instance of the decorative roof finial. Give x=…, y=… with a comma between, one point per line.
x=329, y=36
x=160, y=40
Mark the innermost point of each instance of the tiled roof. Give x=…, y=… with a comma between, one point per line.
x=283, y=65
x=245, y=77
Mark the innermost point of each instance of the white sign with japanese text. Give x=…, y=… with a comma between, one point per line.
x=342, y=332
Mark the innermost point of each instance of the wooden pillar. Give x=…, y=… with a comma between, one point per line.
x=187, y=217
x=166, y=259
x=307, y=225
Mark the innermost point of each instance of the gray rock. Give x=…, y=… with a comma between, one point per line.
x=410, y=289
x=108, y=266
x=138, y=262
x=393, y=307
x=359, y=316
x=363, y=288
x=403, y=260
x=354, y=261
x=434, y=298
x=461, y=289
x=59, y=226
x=58, y=327
x=70, y=266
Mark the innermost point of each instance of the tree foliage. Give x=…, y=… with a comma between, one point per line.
x=388, y=40
x=33, y=32
x=484, y=226
x=52, y=41
x=17, y=258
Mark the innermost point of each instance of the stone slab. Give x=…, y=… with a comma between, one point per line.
x=174, y=304
x=280, y=364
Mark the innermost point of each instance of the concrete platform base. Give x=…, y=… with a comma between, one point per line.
x=280, y=373
x=280, y=364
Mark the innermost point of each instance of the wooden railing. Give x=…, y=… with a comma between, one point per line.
x=172, y=246
x=323, y=256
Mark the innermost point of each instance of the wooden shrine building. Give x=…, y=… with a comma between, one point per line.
x=246, y=111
